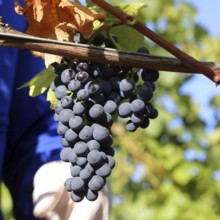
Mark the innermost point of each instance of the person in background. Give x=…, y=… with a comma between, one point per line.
x=30, y=164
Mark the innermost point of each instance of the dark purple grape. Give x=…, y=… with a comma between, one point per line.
x=137, y=106
x=60, y=91
x=75, y=170
x=93, y=145
x=80, y=148
x=130, y=126
x=78, y=108
x=94, y=157
x=96, y=183
x=74, y=85
x=76, y=123
x=61, y=129
x=65, y=115
x=91, y=195
x=86, y=133
x=124, y=110
x=101, y=133
x=110, y=107
x=67, y=75
x=71, y=136
x=77, y=196
x=104, y=170
x=66, y=102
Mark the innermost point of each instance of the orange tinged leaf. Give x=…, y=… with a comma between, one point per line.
x=58, y=19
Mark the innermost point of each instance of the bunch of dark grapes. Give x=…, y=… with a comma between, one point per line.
x=90, y=96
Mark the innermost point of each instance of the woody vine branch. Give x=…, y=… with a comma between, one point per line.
x=12, y=38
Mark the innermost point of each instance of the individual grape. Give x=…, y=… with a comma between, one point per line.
x=65, y=115
x=65, y=143
x=80, y=148
x=96, y=111
x=68, y=184
x=71, y=136
x=115, y=83
x=114, y=96
x=81, y=161
x=127, y=85
x=150, y=84
x=77, y=183
x=91, y=195
x=86, y=174
x=124, y=110
x=99, y=39
x=76, y=123
x=96, y=71
x=60, y=68
x=72, y=157
x=78, y=108
x=150, y=75
x=92, y=88
x=106, y=120
x=137, y=106
x=82, y=94
x=108, y=142
x=60, y=91
x=74, y=85
x=52, y=86
x=110, y=107
x=96, y=183
x=137, y=119
x=58, y=107
x=101, y=133
x=75, y=170
x=93, y=145
x=66, y=102
x=150, y=111
x=111, y=161
x=106, y=88
x=130, y=126
x=56, y=117
x=143, y=50
x=145, y=122
x=82, y=76
x=64, y=154
x=82, y=66
x=100, y=99
x=86, y=133
x=77, y=196
x=61, y=129
x=67, y=75
x=104, y=171
x=144, y=93
x=57, y=82
x=94, y=157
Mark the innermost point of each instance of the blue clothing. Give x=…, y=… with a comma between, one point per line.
x=28, y=136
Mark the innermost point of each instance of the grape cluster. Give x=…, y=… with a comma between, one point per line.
x=90, y=97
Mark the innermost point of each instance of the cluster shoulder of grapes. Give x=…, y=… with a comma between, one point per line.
x=89, y=96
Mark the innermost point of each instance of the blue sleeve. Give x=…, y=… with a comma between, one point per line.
x=28, y=135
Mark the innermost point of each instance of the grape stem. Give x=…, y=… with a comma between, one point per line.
x=12, y=38
x=186, y=59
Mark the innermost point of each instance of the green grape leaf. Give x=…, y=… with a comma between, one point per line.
x=39, y=83
x=51, y=98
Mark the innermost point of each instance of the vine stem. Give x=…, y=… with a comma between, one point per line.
x=12, y=38
x=186, y=59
